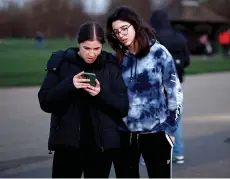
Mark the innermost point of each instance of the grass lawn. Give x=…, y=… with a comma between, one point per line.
x=22, y=64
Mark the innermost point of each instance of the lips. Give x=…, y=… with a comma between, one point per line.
x=124, y=41
x=90, y=60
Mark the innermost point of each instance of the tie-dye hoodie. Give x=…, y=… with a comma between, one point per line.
x=154, y=90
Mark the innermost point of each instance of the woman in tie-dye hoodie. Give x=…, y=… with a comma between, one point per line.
x=154, y=90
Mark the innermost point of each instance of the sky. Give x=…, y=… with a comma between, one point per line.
x=89, y=6
x=20, y=2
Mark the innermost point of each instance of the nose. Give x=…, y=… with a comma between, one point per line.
x=91, y=53
x=120, y=35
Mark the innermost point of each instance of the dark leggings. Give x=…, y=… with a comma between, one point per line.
x=156, y=149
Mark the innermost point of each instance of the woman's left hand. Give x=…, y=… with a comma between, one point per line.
x=94, y=90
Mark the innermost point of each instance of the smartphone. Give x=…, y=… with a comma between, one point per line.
x=92, y=78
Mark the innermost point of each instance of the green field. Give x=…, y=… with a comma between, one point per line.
x=22, y=64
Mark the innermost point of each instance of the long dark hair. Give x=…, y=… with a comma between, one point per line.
x=90, y=31
x=144, y=33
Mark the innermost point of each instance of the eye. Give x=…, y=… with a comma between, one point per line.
x=86, y=48
x=115, y=31
x=98, y=48
x=124, y=28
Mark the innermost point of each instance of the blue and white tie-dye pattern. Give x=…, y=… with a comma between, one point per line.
x=147, y=80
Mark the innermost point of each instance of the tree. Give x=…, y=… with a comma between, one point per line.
x=221, y=7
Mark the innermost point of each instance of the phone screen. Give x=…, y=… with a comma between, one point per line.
x=92, y=78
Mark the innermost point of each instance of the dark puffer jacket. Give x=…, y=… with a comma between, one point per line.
x=68, y=105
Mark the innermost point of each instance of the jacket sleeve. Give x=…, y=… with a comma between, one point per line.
x=186, y=55
x=55, y=95
x=174, y=94
x=113, y=98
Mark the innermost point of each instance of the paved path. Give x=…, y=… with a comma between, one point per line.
x=24, y=131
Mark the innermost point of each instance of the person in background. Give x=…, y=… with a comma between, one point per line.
x=177, y=46
x=204, y=40
x=40, y=38
x=224, y=40
x=148, y=71
x=85, y=114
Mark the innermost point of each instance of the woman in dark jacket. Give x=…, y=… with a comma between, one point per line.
x=84, y=118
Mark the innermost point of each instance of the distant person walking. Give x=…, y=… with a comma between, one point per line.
x=224, y=40
x=40, y=38
x=204, y=39
x=176, y=45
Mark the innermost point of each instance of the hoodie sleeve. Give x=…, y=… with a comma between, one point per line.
x=113, y=98
x=54, y=95
x=174, y=93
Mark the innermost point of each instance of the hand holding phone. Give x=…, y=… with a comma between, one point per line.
x=80, y=82
x=93, y=91
x=91, y=77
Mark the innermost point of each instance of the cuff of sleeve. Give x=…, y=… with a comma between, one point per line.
x=103, y=93
x=169, y=132
x=70, y=85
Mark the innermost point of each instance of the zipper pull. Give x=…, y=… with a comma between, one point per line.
x=130, y=140
x=137, y=140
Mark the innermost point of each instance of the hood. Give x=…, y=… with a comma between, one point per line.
x=167, y=36
x=71, y=55
x=159, y=20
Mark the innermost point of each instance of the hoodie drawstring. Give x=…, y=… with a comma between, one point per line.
x=131, y=72
x=134, y=140
x=135, y=70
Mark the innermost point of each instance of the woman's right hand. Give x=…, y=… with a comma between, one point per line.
x=80, y=82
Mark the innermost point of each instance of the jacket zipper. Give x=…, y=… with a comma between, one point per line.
x=79, y=135
x=57, y=128
x=100, y=137
x=101, y=142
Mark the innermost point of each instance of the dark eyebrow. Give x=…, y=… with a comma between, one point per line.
x=86, y=47
x=122, y=27
x=93, y=48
